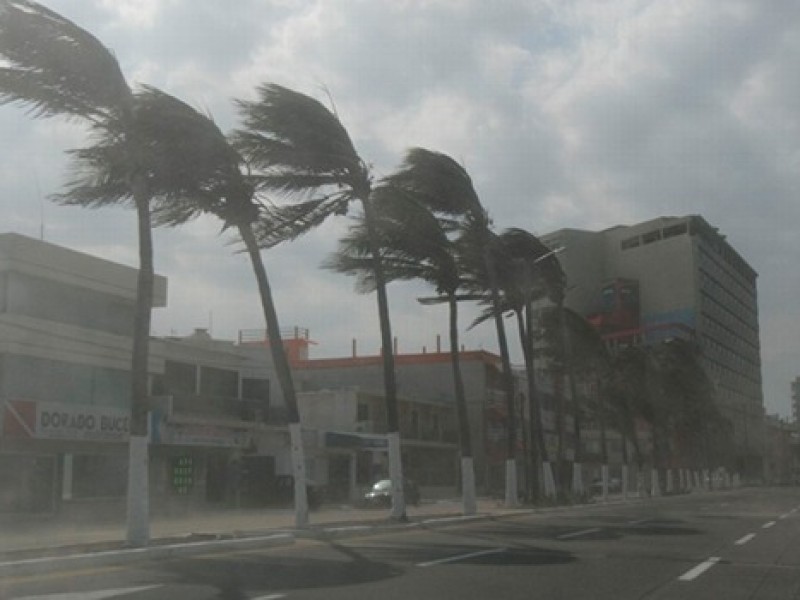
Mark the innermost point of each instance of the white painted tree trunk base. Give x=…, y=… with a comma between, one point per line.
x=577, y=479
x=604, y=482
x=681, y=481
x=138, y=495
x=297, y=457
x=549, y=480
x=468, y=497
x=625, y=482
x=640, y=487
x=396, y=476
x=512, y=491
x=655, y=484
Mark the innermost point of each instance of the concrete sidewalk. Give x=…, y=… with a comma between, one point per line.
x=40, y=545
x=37, y=536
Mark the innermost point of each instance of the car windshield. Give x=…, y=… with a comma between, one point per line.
x=384, y=485
x=532, y=261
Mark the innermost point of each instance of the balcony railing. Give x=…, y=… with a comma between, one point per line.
x=221, y=407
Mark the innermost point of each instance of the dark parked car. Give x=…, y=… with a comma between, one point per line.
x=380, y=494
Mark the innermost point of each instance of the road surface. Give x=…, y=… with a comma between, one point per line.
x=733, y=545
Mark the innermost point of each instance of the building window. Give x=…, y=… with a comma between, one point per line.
x=99, y=475
x=219, y=382
x=62, y=303
x=57, y=381
x=651, y=236
x=675, y=230
x=631, y=242
x=255, y=389
x=362, y=412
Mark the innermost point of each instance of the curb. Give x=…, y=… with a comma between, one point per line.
x=33, y=566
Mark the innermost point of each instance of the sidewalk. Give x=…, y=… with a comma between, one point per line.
x=32, y=536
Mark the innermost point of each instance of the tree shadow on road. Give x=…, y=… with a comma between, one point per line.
x=238, y=576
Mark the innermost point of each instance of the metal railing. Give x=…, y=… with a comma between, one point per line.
x=252, y=411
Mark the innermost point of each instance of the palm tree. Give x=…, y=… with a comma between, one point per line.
x=57, y=68
x=537, y=275
x=415, y=209
x=193, y=169
x=487, y=266
x=303, y=152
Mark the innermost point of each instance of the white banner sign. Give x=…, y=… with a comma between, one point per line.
x=81, y=422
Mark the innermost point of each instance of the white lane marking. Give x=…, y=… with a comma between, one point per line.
x=450, y=559
x=96, y=595
x=270, y=597
x=784, y=516
x=639, y=522
x=768, y=525
x=743, y=540
x=695, y=572
x=567, y=536
x=794, y=510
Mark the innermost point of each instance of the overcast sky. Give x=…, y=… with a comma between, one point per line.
x=566, y=113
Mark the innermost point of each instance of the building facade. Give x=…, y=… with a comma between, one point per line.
x=66, y=321
x=428, y=426
x=676, y=277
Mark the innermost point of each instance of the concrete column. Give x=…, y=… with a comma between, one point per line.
x=681, y=481
x=577, y=479
x=66, y=478
x=655, y=484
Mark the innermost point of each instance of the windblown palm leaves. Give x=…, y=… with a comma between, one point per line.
x=416, y=210
x=56, y=68
x=302, y=152
x=188, y=164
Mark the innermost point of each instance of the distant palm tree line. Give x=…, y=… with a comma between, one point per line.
x=288, y=168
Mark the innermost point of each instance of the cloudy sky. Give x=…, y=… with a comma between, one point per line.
x=566, y=113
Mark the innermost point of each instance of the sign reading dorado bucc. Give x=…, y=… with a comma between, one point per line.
x=43, y=420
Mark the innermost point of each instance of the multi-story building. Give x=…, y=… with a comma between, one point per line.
x=66, y=322
x=428, y=427
x=676, y=277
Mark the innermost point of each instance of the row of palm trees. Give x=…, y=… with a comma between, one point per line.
x=290, y=166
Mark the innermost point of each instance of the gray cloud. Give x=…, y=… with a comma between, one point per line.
x=567, y=114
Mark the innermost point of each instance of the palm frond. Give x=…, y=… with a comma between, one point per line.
x=286, y=222
x=55, y=67
x=436, y=180
x=285, y=130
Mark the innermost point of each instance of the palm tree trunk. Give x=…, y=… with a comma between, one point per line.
x=464, y=434
x=138, y=495
x=511, y=491
x=577, y=480
x=603, y=437
x=284, y=373
x=537, y=450
x=389, y=377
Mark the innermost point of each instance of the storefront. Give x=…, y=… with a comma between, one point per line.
x=52, y=452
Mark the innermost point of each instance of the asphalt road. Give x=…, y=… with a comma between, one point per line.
x=732, y=545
